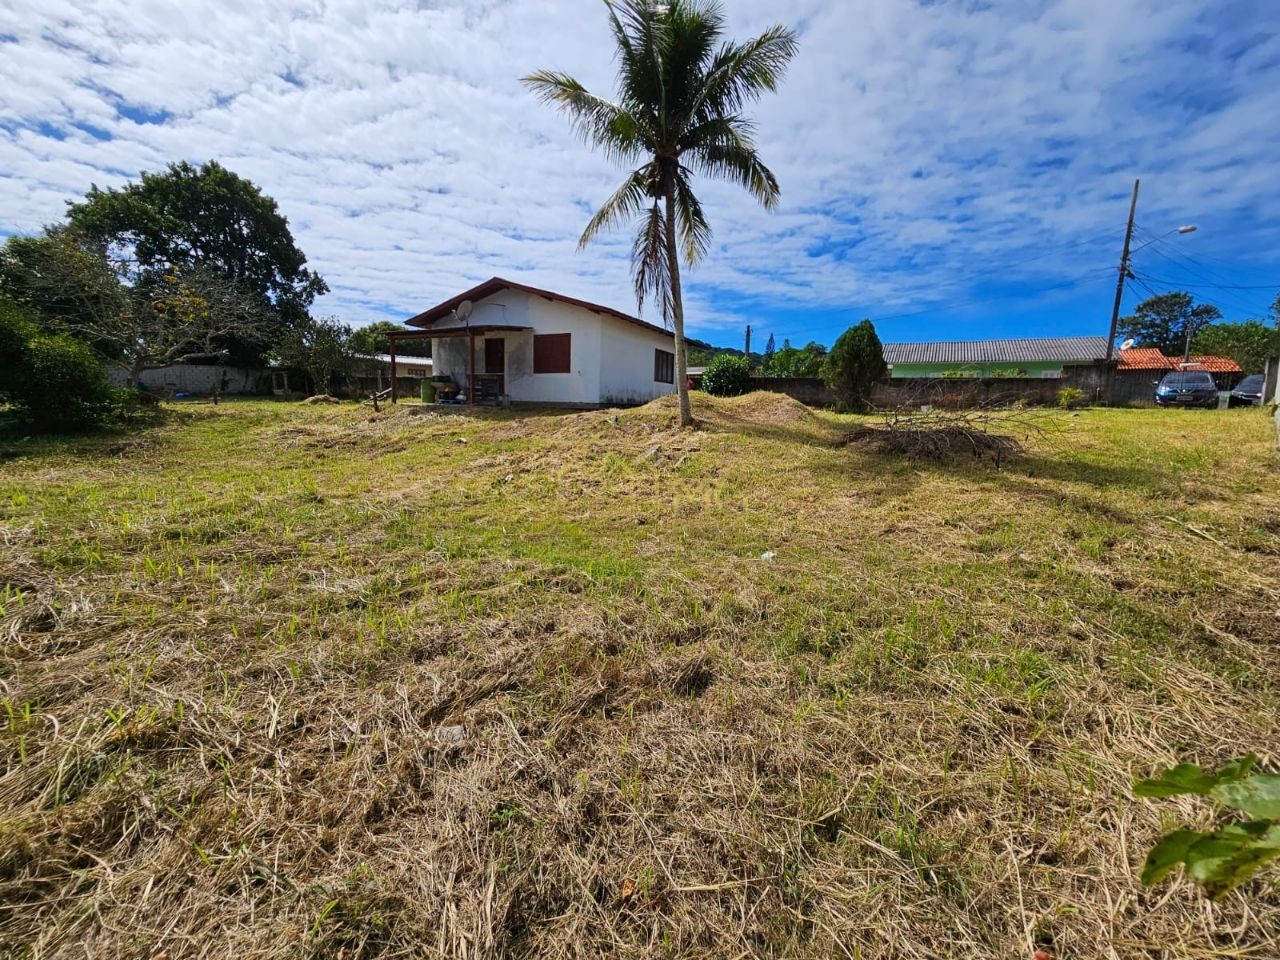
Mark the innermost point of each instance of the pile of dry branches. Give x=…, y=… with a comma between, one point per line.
x=946, y=434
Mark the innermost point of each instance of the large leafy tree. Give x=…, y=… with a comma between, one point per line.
x=1248, y=343
x=73, y=286
x=206, y=219
x=372, y=339
x=1168, y=322
x=682, y=89
x=66, y=283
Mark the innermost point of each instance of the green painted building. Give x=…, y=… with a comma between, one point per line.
x=1040, y=358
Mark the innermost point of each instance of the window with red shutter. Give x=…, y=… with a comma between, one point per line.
x=551, y=353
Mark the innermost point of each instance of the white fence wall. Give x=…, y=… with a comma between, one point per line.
x=198, y=378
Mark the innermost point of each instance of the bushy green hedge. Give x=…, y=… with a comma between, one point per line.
x=855, y=363
x=727, y=376
x=53, y=380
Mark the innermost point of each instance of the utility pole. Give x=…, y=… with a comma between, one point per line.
x=1110, y=372
x=1124, y=272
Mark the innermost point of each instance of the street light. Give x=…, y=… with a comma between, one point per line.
x=1189, y=228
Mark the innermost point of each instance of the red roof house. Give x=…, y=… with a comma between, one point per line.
x=1149, y=358
x=1143, y=358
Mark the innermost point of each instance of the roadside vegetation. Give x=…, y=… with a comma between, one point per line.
x=279, y=681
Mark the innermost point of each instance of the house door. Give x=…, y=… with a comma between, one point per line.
x=495, y=362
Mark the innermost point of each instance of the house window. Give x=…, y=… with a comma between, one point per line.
x=664, y=366
x=551, y=353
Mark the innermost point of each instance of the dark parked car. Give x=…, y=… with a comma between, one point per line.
x=1247, y=392
x=1187, y=388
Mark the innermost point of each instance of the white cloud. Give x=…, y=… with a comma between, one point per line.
x=922, y=149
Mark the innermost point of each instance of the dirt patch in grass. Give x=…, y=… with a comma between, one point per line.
x=506, y=685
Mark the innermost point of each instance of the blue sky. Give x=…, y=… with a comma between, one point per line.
x=952, y=170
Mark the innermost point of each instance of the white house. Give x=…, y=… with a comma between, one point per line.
x=406, y=365
x=503, y=339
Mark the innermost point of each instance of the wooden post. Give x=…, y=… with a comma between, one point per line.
x=471, y=367
x=395, y=393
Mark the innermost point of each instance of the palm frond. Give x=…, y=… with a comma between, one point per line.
x=742, y=72
x=626, y=202
x=737, y=163
x=690, y=31
x=638, y=34
x=732, y=130
x=650, y=271
x=691, y=222
x=598, y=121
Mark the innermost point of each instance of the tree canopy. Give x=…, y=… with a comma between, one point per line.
x=371, y=340
x=204, y=218
x=321, y=346
x=791, y=361
x=185, y=313
x=1248, y=343
x=1168, y=322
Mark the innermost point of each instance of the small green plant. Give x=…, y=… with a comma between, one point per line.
x=727, y=375
x=1071, y=398
x=1221, y=859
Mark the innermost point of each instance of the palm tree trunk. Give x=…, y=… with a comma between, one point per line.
x=677, y=306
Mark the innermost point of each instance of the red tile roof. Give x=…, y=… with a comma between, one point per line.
x=1213, y=365
x=1144, y=358
x=1149, y=358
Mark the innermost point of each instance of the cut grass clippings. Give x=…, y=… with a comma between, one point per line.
x=283, y=680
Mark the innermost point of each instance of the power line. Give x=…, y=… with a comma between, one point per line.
x=1235, y=305
x=1218, y=286
x=1162, y=242
x=1222, y=303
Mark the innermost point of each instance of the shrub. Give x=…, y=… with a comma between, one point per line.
x=1072, y=398
x=727, y=375
x=16, y=331
x=54, y=380
x=853, y=365
x=62, y=385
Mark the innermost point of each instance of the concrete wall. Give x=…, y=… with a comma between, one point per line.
x=197, y=378
x=610, y=360
x=948, y=392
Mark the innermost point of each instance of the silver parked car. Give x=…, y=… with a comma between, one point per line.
x=1248, y=392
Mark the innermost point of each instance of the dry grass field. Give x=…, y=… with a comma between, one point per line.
x=291, y=681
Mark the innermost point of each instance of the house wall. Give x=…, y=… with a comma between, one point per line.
x=610, y=360
x=627, y=360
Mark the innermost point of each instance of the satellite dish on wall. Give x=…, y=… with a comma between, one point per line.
x=464, y=309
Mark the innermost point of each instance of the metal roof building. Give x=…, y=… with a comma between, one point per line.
x=1020, y=350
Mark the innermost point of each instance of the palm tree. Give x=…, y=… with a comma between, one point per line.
x=681, y=92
